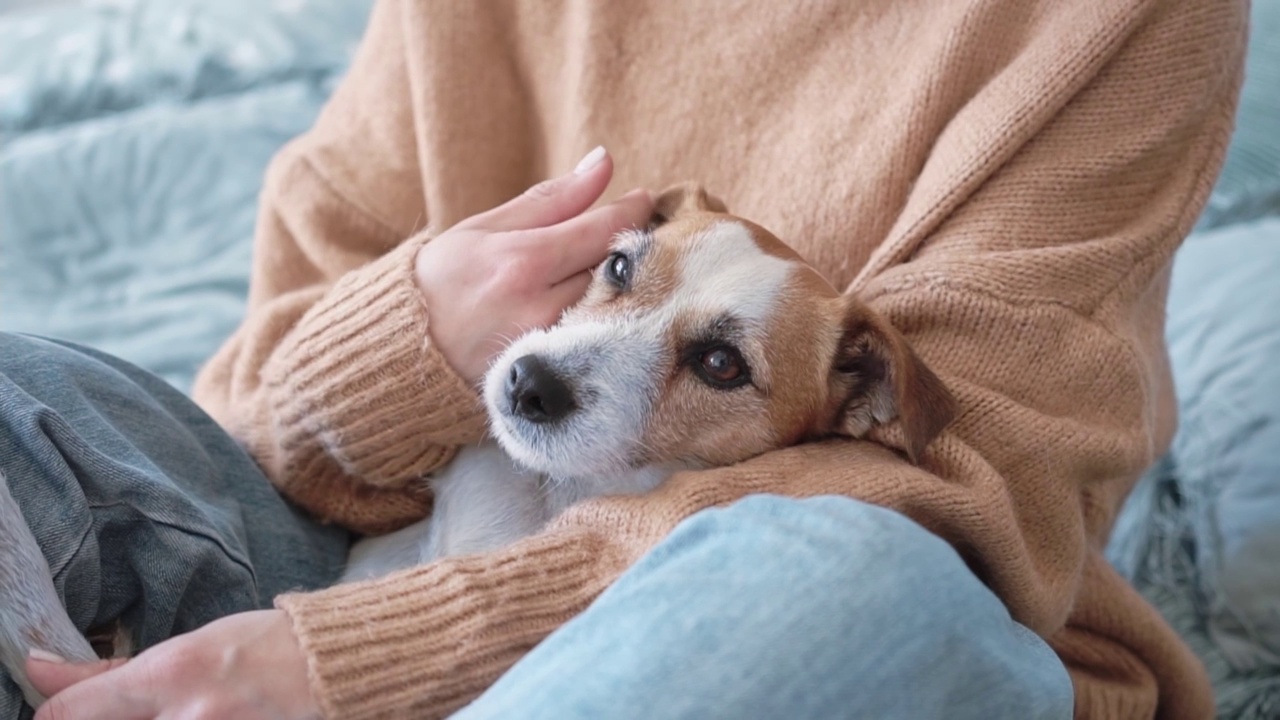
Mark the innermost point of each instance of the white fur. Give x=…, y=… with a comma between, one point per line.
x=728, y=271
x=615, y=367
x=483, y=501
x=29, y=604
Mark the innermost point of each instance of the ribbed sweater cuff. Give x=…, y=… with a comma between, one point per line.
x=358, y=374
x=424, y=642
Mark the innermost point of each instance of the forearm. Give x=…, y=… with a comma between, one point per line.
x=334, y=387
x=332, y=381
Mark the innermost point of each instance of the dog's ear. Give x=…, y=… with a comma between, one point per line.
x=881, y=379
x=682, y=198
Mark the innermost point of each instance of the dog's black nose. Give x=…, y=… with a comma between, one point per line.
x=537, y=394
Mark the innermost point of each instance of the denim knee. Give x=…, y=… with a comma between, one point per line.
x=782, y=608
x=905, y=594
x=116, y=471
x=833, y=540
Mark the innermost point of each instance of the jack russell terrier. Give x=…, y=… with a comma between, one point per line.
x=703, y=341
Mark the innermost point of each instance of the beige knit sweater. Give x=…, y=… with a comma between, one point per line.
x=1005, y=179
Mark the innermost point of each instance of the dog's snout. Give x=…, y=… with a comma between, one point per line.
x=536, y=393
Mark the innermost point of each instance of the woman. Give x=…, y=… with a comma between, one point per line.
x=1005, y=180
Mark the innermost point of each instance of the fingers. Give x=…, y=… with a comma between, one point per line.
x=583, y=242
x=52, y=677
x=99, y=696
x=552, y=201
x=568, y=292
x=105, y=703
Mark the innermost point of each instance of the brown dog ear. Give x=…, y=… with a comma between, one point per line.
x=682, y=198
x=881, y=379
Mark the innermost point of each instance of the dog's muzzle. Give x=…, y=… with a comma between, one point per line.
x=536, y=393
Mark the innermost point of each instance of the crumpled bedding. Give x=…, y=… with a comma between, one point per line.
x=134, y=135
x=133, y=139
x=1200, y=536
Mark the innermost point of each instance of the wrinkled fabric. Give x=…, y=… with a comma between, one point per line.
x=1249, y=187
x=861, y=612
x=146, y=511
x=1201, y=534
x=133, y=140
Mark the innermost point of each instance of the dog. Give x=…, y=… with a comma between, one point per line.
x=702, y=341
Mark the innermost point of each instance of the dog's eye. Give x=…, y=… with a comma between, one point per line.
x=723, y=367
x=617, y=269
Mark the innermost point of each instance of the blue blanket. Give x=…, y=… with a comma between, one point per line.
x=135, y=135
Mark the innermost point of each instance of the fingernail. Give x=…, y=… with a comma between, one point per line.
x=590, y=160
x=44, y=656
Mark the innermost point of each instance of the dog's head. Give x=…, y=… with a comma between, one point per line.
x=703, y=341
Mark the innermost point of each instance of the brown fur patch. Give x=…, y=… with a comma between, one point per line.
x=684, y=198
x=655, y=272
x=880, y=378
x=703, y=426
x=801, y=341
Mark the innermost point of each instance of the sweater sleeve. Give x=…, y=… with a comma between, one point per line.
x=332, y=382
x=1029, y=271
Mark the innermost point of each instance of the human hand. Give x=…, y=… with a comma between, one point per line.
x=246, y=666
x=517, y=267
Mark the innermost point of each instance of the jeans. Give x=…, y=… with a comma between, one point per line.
x=146, y=511
x=778, y=608
x=769, y=608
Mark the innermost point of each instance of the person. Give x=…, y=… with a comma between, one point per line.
x=1005, y=180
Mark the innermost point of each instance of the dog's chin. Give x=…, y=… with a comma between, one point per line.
x=551, y=452
x=514, y=445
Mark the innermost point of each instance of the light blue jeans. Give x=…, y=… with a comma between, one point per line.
x=780, y=608
x=770, y=608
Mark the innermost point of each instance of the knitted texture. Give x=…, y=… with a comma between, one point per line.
x=1005, y=180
